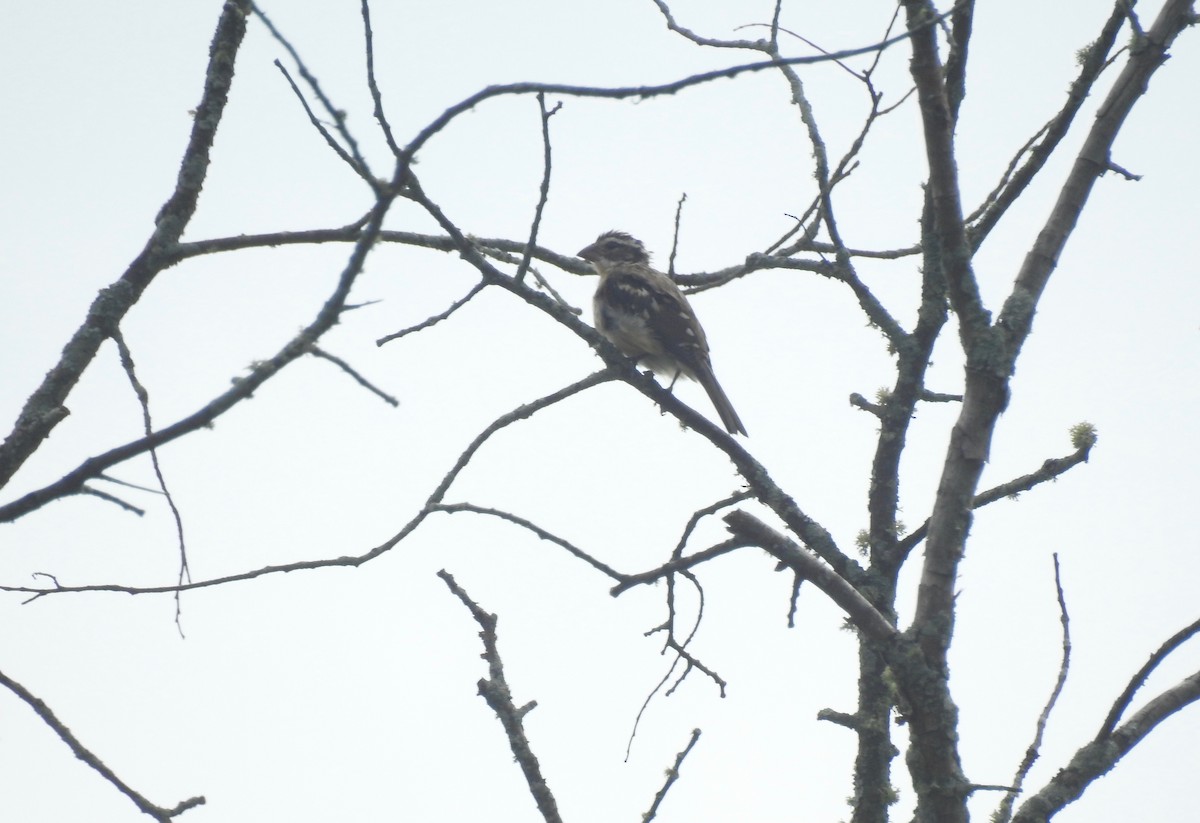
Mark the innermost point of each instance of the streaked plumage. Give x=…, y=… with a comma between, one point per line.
x=647, y=317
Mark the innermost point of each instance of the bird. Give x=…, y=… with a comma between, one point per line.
x=644, y=314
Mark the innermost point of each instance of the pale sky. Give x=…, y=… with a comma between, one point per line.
x=346, y=694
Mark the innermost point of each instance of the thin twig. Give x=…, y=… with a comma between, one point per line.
x=431, y=504
x=317, y=351
x=777, y=28
x=354, y=157
x=700, y=514
x=112, y=498
x=372, y=82
x=1050, y=470
x=1121, y=705
x=95, y=763
x=682, y=655
x=542, y=534
x=1095, y=61
x=347, y=158
x=675, y=235
x=678, y=562
x=127, y=484
x=143, y=397
x=543, y=190
x=1004, y=813
x=672, y=776
x=437, y=318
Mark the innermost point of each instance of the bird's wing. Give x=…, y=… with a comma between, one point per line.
x=662, y=310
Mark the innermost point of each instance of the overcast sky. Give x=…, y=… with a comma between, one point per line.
x=350, y=693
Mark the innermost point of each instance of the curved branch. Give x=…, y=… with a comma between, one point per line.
x=95, y=763
x=1004, y=811
x=538, y=531
x=431, y=504
x=644, y=92
x=543, y=190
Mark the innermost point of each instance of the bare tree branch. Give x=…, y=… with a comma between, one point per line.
x=1051, y=469
x=433, y=320
x=143, y=398
x=352, y=156
x=372, y=82
x=1012, y=184
x=678, y=564
x=675, y=235
x=263, y=370
x=45, y=407
x=543, y=191
x=1121, y=705
x=1004, y=813
x=95, y=763
x=682, y=655
x=494, y=689
x=644, y=92
x=356, y=163
x=1093, y=160
x=112, y=498
x=542, y=534
x=1098, y=757
x=767, y=492
x=318, y=352
x=672, y=776
x=433, y=503
x=961, y=21
x=864, y=615
x=938, y=119
x=991, y=354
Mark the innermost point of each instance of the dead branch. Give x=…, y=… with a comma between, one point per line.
x=865, y=616
x=494, y=689
x=95, y=763
x=45, y=407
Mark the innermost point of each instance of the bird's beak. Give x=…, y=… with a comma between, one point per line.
x=588, y=253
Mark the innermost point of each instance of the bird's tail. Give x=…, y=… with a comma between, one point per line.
x=733, y=423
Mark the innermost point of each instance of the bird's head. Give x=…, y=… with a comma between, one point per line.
x=615, y=247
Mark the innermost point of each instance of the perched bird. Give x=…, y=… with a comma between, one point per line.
x=645, y=315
